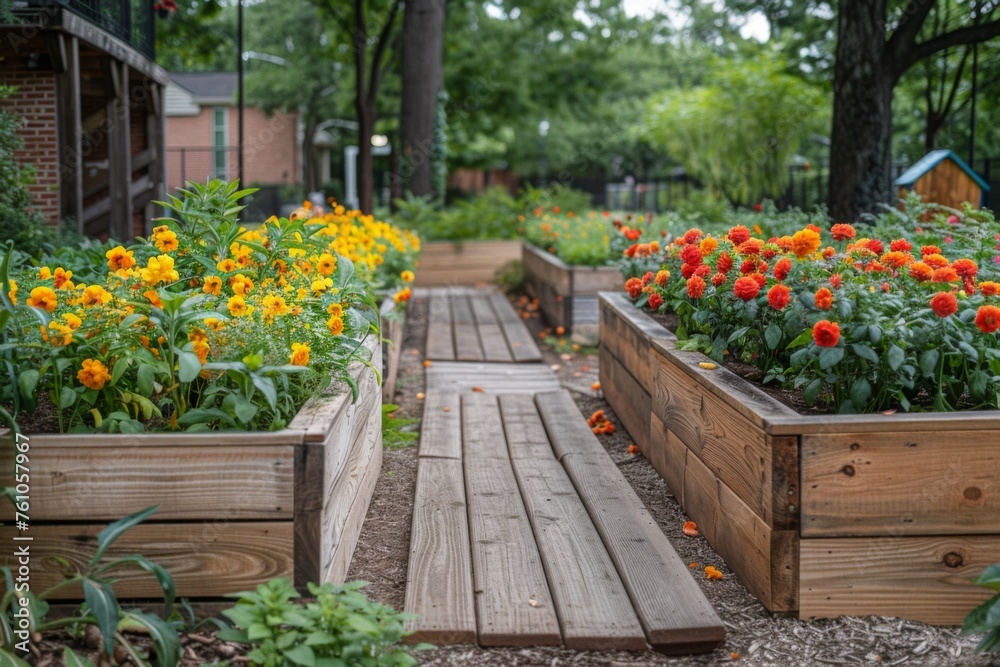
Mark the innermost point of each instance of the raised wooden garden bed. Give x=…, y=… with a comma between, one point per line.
x=567, y=295
x=393, y=320
x=446, y=263
x=819, y=515
x=235, y=509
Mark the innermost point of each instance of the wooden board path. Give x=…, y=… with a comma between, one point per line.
x=476, y=325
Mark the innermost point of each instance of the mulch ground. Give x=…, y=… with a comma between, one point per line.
x=755, y=637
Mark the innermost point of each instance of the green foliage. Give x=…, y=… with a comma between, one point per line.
x=340, y=628
x=397, y=432
x=510, y=277
x=737, y=133
x=986, y=617
x=101, y=609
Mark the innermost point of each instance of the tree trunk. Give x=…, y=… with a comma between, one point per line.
x=310, y=173
x=365, y=175
x=423, y=33
x=861, y=136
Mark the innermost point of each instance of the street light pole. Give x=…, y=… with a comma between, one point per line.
x=239, y=77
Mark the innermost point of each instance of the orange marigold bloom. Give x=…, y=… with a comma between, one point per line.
x=213, y=285
x=965, y=267
x=936, y=261
x=900, y=245
x=692, y=235
x=695, y=287
x=988, y=319
x=826, y=333
x=944, y=275
x=738, y=235
x=823, y=298
x=930, y=250
x=843, y=232
x=655, y=301
x=784, y=242
x=44, y=298
x=989, y=288
x=691, y=254
x=782, y=267
x=719, y=279
x=634, y=287
x=760, y=278
x=61, y=277
x=897, y=259
x=805, y=242
x=829, y=252
x=779, y=296
x=708, y=245
x=724, y=264
x=93, y=374
x=299, y=355
x=95, y=295
x=944, y=304
x=746, y=288
x=751, y=247
x=921, y=271
x=662, y=276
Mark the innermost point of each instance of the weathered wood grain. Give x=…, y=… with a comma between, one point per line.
x=520, y=341
x=565, y=424
x=482, y=428
x=467, y=263
x=526, y=437
x=490, y=334
x=627, y=333
x=441, y=428
x=491, y=378
x=467, y=344
x=593, y=608
x=589, y=280
x=675, y=614
x=206, y=559
x=440, y=341
x=921, y=578
x=630, y=401
x=931, y=483
x=439, y=575
x=392, y=330
x=351, y=532
x=668, y=455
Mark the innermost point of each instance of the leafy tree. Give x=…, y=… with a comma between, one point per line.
x=199, y=36
x=737, y=133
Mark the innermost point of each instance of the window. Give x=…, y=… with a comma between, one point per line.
x=219, y=136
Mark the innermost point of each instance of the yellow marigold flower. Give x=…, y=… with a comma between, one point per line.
x=240, y=284
x=44, y=273
x=95, y=295
x=305, y=267
x=805, y=242
x=326, y=264
x=213, y=285
x=166, y=240
x=336, y=325
x=158, y=270
x=153, y=297
x=43, y=297
x=197, y=334
x=300, y=355
x=65, y=334
x=238, y=307
x=12, y=294
x=214, y=323
x=274, y=306
x=402, y=295
x=296, y=252
x=335, y=309
x=320, y=285
x=407, y=276
x=202, y=348
x=61, y=278
x=72, y=321
x=93, y=374
x=226, y=265
x=119, y=258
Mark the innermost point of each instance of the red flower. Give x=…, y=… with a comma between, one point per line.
x=944, y=304
x=760, y=278
x=768, y=253
x=692, y=235
x=746, y=288
x=782, y=267
x=647, y=278
x=725, y=263
x=691, y=254
x=634, y=287
x=835, y=279
x=930, y=250
x=779, y=296
x=655, y=301
x=823, y=298
x=829, y=252
x=965, y=267
x=876, y=246
x=631, y=234
x=719, y=279
x=988, y=319
x=936, y=261
x=631, y=250
x=757, y=207
x=738, y=235
x=687, y=270
x=749, y=266
x=944, y=275
x=703, y=270
x=901, y=245
x=843, y=232
x=886, y=288
x=695, y=287
x=826, y=333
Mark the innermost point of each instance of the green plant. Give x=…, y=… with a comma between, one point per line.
x=24, y=613
x=341, y=627
x=986, y=617
x=396, y=433
x=510, y=277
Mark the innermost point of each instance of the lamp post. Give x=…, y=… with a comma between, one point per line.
x=239, y=78
x=543, y=131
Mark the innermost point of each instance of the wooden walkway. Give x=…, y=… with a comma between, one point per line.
x=476, y=325
x=525, y=532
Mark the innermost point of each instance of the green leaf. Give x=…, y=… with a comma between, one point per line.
x=71, y=659
x=812, y=391
x=302, y=655
x=145, y=379
x=896, y=356
x=233, y=635
x=800, y=340
x=874, y=333
x=830, y=357
x=245, y=410
x=114, y=530
x=166, y=643
x=929, y=362
x=164, y=578
x=266, y=387
x=975, y=621
x=104, y=607
x=772, y=335
x=11, y=660
x=27, y=382
x=861, y=391
x=865, y=352
x=257, y=631
x=970, y=352
x=990, y=578
x=189, y=365
x=67, y=397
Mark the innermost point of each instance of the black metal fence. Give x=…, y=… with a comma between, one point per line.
x=129, y=20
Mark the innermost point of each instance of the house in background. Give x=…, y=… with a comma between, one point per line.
x=202, y=138
x=91, y=97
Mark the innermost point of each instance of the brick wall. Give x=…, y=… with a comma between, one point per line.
x=35, y=102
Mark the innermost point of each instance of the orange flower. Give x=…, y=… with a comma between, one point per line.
x=633, y=449
x=826, y=333
x=829, y=252
x=691, y=254
x=945, y=274
x=692, y=235
x=708, y=245
x=95, y=295
x=897, y=259
x=929, y=250
x=805, y=242
x=213, y=285
x=595, y=418
x=634, y=287
x=655, y=300
x=751, y=247
x=944, y=304
x=662, y=277
x=842, y=232
x=823, y=298
x=712, y=573
x=93, y=374
x=596, y=386
x=779, y=296
x=724, y=264
x=900, y=245
x=746, y=288
x=299, y=355
x=738, y=235
x=989, y=288
x=988, y=319
x=965, y=267
x=695, y=287
x=120, y=259
x=153, y=297
x=690, y=528
x=936, y=261
x=719, y=279
x=921, y=271
x=44, y=298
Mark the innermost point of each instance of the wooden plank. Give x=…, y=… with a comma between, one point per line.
x=932, y=483
x=732, y=447
x=668, y=455
x=439, y=575
x=921, y=578
x=593, y=608
x=526, y=437
x=348, y=539
x=491, y=378
x=566, y=425
x=441, y=428
x=520, y=341
x=544, y=267
x=627, y=333
x=392, y=330
x=467, y=344
x=630, y=401
x=440, y=343
x=490, y=334
x=482, y=428
x=310, y=474
x=674, y=613
x=206, y=559
x=513, y=603
x=105, y=482
x=589, y=280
